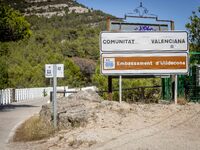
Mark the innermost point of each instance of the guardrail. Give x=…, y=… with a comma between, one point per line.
x=8, y=96
x=5, y=96
x=68, y=92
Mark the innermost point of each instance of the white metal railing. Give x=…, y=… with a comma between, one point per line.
x=8, y=96
x=5, y=96
x=94, y=88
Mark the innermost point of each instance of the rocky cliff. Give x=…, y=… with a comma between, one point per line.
x=47, y=8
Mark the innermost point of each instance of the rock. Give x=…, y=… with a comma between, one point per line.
x=88, y=95
x=73, y=111
x=45, y=113
x=73, y=118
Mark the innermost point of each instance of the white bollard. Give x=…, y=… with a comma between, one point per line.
x=4, y=98
x=23, y=94
x=9, y=96
x=17, y=91
x=19, y=95
x=16, y=96
x=0, y=97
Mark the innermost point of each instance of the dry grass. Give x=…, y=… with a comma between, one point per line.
x=182, y=101
x=33, y=129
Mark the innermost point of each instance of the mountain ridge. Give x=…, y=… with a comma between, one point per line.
x=47, y=8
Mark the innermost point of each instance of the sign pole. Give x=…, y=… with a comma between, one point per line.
x=175, y=76
x=54, y=71
x=120, y=88
x=109, y=77
x=54, y=96
x=176, y=89
x=110, y=88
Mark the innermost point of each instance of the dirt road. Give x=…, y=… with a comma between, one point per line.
x=179, y=130
x=130, y=127
x=109, y=125
x=13, y=115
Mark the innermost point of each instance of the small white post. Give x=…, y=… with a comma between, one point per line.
x=9, y=96
x=0, y=97
x=4, y=97
x=23, y=98
x=16, y=95
x=120, y=88
x=26, y=94
x=20, y=94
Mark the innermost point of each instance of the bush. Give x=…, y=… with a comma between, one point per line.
x=135, y=95
x=13, y=25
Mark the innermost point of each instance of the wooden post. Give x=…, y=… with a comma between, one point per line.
x=108, y=24
x=172, y=25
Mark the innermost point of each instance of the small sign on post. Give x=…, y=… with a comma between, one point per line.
x=54, y=71
x=49, y=70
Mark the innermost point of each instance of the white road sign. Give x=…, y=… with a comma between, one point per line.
x=144, y=41
x=49, y=70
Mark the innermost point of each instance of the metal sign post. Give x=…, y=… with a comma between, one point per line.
x=176, y=76
x=176, y=89
x=54, y=96
x=120, y=88
x=54, y=71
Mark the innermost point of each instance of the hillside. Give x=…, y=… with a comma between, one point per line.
x=71, y=38
x=47, y=8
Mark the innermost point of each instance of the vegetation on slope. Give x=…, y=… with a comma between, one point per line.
x=194, y=35
x=73, y=40
x=53, y=40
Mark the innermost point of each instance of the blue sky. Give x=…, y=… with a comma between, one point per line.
x=177, y=10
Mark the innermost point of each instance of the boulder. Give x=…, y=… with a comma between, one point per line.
x=73, y=111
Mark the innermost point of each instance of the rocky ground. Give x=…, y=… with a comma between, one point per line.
x=88, y=122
